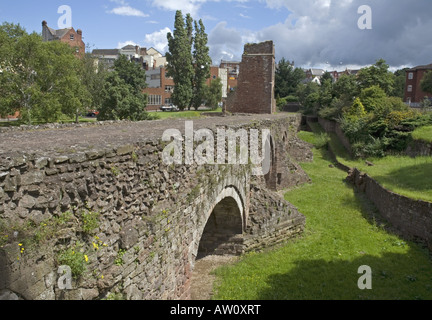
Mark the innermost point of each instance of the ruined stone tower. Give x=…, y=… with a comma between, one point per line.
x=255, y=90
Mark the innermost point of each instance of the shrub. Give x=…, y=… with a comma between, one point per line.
x=373, y=98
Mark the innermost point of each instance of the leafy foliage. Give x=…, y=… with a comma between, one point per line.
x=213, y=94
x=202, y=63
x=41, y=80
x=375, y=121
x=287, y=78
x=180, y=61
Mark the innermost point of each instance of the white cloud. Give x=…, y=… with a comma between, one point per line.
x=186, y=6
x=126, y=43
x=128, y=11
x=325, y=33
x=158, y=40
x=228, y=43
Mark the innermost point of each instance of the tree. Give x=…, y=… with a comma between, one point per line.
x=373, y=98
x=357, y=109
x=346, y=88
x=326, y=93
x=426, y=82
x=39, y=79
x=93, y=76
x=131, y=73
x=326, y=77
x=179, y=58
x=202, y=63
x=120, y=101
x=400, y=81
x=123, y=98
x=213, y=94
x=287, y=78
x=377, y=75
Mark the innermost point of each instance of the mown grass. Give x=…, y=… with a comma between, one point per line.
x=340, y=237
x=16, y=123
x=182, y=114
x=404, y=175
x=423, y=134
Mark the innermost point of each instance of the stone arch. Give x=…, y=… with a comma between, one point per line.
x=223, y=231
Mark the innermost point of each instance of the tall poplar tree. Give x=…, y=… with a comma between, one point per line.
x=202, y=63
x=179, y=58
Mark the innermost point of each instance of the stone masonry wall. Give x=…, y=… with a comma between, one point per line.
x=411, y=217
x=127, y=224
x=255, y=89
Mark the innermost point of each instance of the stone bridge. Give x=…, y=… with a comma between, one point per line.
x=99, y=200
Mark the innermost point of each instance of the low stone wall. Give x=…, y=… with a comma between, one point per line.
x=271, y=219
x=419, y=148
x=411, y=217
x=334, y=127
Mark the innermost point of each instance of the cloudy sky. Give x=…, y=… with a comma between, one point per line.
x=313, y=33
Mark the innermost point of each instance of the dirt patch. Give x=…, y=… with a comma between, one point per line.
x=203, y=280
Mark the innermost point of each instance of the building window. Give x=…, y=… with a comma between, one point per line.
x=155, y=76
x=72, y=37
x=154, y=100
x=169, y=89
x=168, y=101
x=410, y=88
x=410, y=76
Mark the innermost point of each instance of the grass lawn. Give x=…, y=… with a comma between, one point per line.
x=19, y=123
x=411, y=177
x=423, y=133
x=183, y=114
x=339, y=238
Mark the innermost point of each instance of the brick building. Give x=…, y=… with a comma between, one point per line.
x=233, y=71
x=160, y=86
x=68, y=35
x=413, y=92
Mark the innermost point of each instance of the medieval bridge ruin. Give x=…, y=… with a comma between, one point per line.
x=104, y=191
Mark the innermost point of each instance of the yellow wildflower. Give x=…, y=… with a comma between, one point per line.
x=86, y=258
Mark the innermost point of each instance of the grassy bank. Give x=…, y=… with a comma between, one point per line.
x=404, y=175
x=340, y=237
x=423, y=134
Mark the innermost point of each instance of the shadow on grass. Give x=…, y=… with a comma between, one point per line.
x=394, y=277
x=416, y=177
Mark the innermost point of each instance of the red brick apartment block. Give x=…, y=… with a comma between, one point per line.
x=159, y=89
x=255, y=88
x=413, y=92
x=68, y=35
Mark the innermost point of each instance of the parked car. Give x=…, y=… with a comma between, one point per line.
x=169, y=108
x=92, y=113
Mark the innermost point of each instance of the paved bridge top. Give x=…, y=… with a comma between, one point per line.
x=109, y=134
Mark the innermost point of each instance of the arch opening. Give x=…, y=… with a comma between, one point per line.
x=271, y=178
x=223, y=232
